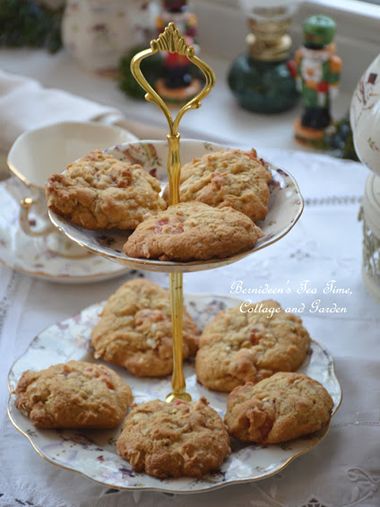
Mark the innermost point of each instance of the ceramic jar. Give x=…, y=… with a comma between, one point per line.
x=365, y=122
x=98, y=33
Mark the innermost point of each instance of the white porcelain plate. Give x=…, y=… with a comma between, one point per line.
x=31, y=256
x=286, y=205
x=92, y=453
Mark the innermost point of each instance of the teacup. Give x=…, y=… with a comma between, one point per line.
x=36, y=154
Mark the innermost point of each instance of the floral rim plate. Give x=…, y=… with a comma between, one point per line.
x=32, y=257
x=286, y=206
x=92, y=453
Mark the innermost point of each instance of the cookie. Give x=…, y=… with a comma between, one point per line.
x=234, y=178
x=246, y=346
x=280, y=408
x=76, y=394
x=179, y=439
x=192, y=231
x=135, y=330
x=100, y=192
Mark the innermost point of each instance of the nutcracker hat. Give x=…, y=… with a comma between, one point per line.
x=319, y=30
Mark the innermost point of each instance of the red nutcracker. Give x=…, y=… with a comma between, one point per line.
x=178, y=84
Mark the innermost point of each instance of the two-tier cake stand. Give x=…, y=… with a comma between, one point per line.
x=287, y=202
x=94, y=455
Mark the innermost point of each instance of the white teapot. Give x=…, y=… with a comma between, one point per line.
x=97, y=32
x=365, y=123
x=365, y=117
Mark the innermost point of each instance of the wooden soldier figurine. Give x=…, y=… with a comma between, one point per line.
x=318, y=75
x=177, y=83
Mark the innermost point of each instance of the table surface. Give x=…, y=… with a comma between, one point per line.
x=325, y=246
x=219, y=118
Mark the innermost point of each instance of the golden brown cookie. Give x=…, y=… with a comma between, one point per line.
x=192, y=231
x=76, y=394
x=135, y=330
x=234, y=178
x=280, y=408
x=100, y=192
x=246, y=346
x=179, y=439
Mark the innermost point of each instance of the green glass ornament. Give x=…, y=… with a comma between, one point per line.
x=263, y=79
x=263, y=87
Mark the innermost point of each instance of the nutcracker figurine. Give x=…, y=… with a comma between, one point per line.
x=318, y=74
x=178, y=83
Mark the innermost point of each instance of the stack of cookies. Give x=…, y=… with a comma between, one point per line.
x=222, y=197
x=252, y=356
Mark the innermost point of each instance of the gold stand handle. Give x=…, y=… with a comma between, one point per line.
x=172, y=41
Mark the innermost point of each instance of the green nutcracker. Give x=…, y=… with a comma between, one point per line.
x=318, y=76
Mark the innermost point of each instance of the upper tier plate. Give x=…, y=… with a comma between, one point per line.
x=285, y=208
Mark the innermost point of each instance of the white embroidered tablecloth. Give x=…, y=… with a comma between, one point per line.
x=318, y=259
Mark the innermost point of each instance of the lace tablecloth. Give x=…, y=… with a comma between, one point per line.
x=317, y=270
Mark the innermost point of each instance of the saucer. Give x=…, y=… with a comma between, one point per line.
x=32, y=257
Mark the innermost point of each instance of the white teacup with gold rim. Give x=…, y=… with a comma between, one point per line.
x=36, y=154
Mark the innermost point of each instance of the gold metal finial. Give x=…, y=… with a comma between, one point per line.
x=172, y=41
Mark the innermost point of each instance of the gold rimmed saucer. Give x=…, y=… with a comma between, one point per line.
x=31, y=256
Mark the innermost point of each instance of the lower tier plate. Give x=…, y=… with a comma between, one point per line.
x=93, y=453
